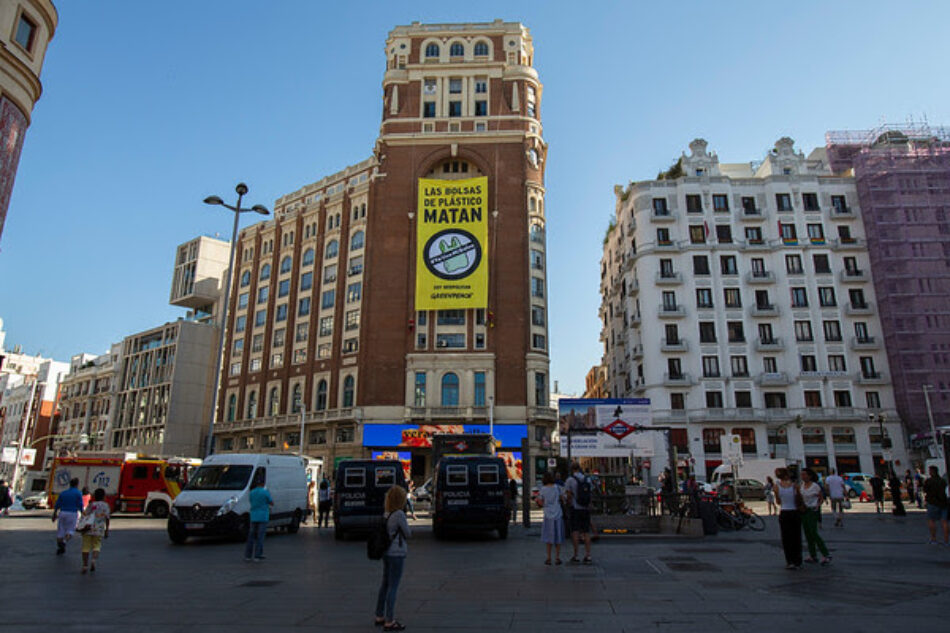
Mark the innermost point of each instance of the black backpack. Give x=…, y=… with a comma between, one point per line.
x=583, y=492
x=378, y=542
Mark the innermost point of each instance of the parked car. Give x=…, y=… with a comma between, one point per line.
x=36, y=502
x=471, y=493
x=360, y=493
x=858, y=483
x=748, y=489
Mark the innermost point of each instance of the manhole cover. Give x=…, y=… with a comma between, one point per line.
x=260, y=583
x=692, y=567
x=858, y=591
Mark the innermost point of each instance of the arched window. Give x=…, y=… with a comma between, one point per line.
x=285, y=264
x=456, y=50
x=232, y=406
x=450, y=390
x=322, y=395
x=297, y=403
x=333, y=247
x=274, y=402
x=532, y=204
x=481, y=49
x=246, y=278
x=348, y=383
x=265, y=272
x=356, y=243
x=252, y=405
x=432, y=50
x=308, y=257
x=363, y=210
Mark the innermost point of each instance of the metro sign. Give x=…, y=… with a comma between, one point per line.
x=619, y=429
x=460, y=446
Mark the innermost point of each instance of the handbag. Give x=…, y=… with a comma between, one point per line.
x=846, y=503
x=85, y=522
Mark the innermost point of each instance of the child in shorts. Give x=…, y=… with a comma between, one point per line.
x=98, y=530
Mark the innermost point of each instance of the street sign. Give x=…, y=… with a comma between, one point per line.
x=731, y=446
x=619, y=429
x=28, y=457
x=9, y=454
x=552, y=462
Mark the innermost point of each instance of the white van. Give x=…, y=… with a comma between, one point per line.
x=215, y=501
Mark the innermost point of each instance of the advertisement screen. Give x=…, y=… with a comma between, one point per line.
x=420, y=435
x=607, y=427
x=452, y=244
x=405, y=458
x=512, y=463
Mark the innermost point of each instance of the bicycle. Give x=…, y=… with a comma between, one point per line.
x=736, y=515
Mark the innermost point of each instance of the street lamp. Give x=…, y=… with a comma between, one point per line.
x=237, y=209
x=885, y=441
x=938, y=452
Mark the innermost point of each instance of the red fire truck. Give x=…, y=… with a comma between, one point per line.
x=127, y=481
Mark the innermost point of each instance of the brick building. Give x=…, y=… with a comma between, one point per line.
x=323, y=333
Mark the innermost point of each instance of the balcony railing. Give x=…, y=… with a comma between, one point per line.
x=765, y=310
x=760, y=277
x=848, y=244
x=865, y=343
x=853, y=276
x=678, y=345
x=677, y=380
x=857, y=309
x=870, y=377
x=773, y=379
x=672, y=312
x=668, y=278
x=664, y=215
x=773, y=344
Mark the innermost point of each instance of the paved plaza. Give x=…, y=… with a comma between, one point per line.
x=884, y=578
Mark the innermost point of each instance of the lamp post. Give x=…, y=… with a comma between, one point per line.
x=885, y=441
x=237, y=209
x=938, y=449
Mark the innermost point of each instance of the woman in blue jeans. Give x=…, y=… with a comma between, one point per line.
x=393, y=560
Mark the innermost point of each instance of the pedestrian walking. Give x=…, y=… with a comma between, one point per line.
x=789, y=518
x=836, y=489
x=579, y=491
x=6, y=500
x=260, y=501
x=919, y=487
x=394, y=560
x=323, y=503
x=896, y=500
x=877, y=490
x=935, y=496
x=909, y=485
x=770, y=495
x=311, y=509
x=812, y=497
x=97, y=516
x=412, y=511
x=86, y=497
x=66, y=514
x=552, y=526
x=513, y=499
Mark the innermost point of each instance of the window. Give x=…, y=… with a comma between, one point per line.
x=242, y=300
x=354, y=292
x=285, y=265
x=873, y=400
x=724, y=233
x=488, y=474
x=537, y=341
x=257, y=343
x=704, y=298
x=822, y=266
x=816, y=234
x=321, y=395
x=456, y=475
x=857, y=299
x=537, y=316
x=787, y=232
x=333, y=249
x=537, y=259
x=456, y=50
x=783, y=201
x=356, y=242
x=481, y=49
x=235, y=369
x=308, y=257
x=481, y=85
x=803, y=331
x=306, y=281
x=356, y=266
x=352, y=320
x=262, y=294
x=713, y=399
x=481, y=108
x=672, y=334
x=232, y=406
x=281, y=313
x=707, y=332
x=276, y=360
x=799, y=298
x=540, y=390
x=659, y=207
x=674, y=368
x=836, y=362
x=700, y=265
x=663, y=237
x=669, y=301
x=349, y=387
x=677, y=401
x=252, y=405
x=809, y=362
x=428, y=110
x=283, y=288
x=479, y=389
x=419, y=392
x=245, y=278
x=450, y=317
x=666, y=268
x=843, y=399
x=711, y=442
x=812, y=399
x=727, y=265
x=238, y=346
x=453, y=341
x=260, y=318
x=838, y=204
x=720, y=203
x=826, y=296
x=265, y=272
x=748, y=206
x=697, y=234
x=810, y=201
x=710, y=366
x=832, y=330
x=775, y=401
x=25, y=33
x=793, y=265
x=813, y=435
x=762, y=301
x=867, y=367
x=732, y=297
x=770, y=365
x=753, y=235
x=328, y=299
x=743, y=399
x=537, y=287
x=303, y=307
x=736, y=334
x=861, y=332
x=432, y=51
x=455, y=108
x=694, y=203
x=739, y=366
x=450, y=390
x=326, y=326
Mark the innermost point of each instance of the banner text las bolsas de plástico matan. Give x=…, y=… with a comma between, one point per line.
x=452, y=244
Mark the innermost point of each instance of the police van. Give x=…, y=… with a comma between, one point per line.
x=470, y=492
x=360, y=493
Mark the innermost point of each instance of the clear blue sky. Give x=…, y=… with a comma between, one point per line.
x=150, y=106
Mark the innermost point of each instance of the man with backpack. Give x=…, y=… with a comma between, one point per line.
x=579, y=495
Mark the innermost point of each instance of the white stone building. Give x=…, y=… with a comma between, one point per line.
x=85, y=402
x=738, y=298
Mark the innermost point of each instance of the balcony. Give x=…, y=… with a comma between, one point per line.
x=841, y=213
x=672, y=312
x=859, y=309
x=760, y=277
x=755, y=245
x=848, y=244
x=542, y=413
x=638, y=351
x=865, y=343
x=769, y=345
x=662, y=216
x=633, y=286
x=668, y=278
x=853, y=276
x=677, y=380
x=765, y=310
x=678, y=346
x=773, y=379
x=635, y=319
x=750, y=215
x=871, y=378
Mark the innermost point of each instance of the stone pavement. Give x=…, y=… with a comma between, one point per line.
x=884, y=578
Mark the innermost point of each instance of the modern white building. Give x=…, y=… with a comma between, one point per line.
x=738, y=299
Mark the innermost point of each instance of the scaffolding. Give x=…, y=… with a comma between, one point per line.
x=888, y=133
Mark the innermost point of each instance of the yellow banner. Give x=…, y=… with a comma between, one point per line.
x=452, y=244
